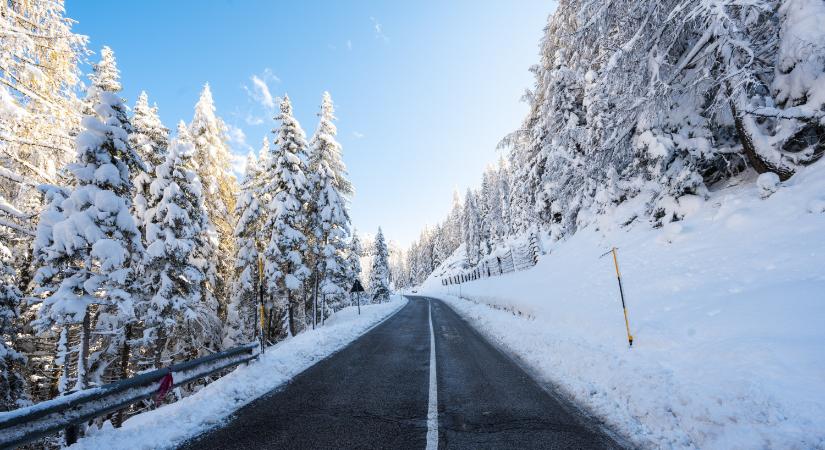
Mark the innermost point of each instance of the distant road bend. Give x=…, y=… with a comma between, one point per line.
x=378, y=393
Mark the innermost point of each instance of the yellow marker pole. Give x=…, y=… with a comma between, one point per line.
x=621, y=293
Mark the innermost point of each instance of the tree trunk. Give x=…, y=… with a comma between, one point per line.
x=83, y=353
x=268, y=335
x=315, y=300
x=124, y=369
x=290, y=314
x=754, y=159
x=160, y=343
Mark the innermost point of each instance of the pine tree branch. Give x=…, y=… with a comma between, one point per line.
x=16, y=227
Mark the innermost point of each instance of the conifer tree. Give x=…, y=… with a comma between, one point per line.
x=12, y=383
x=178, y=323
x=453, y=224
x=287, y=190
x=39, y=73
x=150, y=139
x=212, y=158
x=88, y=246
x=240, y=324
x=354, y=259
x=471, y=228
x=380, y=273
x=328, y=218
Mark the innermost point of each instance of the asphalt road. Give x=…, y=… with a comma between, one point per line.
x=375, y=394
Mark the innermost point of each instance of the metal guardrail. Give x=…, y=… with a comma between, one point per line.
x=25, y=425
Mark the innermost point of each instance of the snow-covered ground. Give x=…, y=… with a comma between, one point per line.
x=170, y=425
x=727, y=308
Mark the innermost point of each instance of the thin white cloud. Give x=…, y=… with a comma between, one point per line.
x=240, y=148
x=262, y=94
x=349, y=45
x=270, y=76
x=235, y=135
x=357, y=135
x=379, y=30
x=259, y=92
x=253, y=120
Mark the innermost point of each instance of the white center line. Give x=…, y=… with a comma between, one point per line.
x=432, y=411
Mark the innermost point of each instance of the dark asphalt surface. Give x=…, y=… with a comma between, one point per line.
x=374, y=394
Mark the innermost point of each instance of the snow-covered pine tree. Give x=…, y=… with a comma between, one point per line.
x=12, y=382
x=39, y=116
x=354, y=259
x=471, y=228
x=88, y=246
x=452, y=226
x=212, y=155
x=287, y=190
x=326, y=149
x=150, y=137
x=380, y=272
x=328, y=218
x=440, y=251
x=412, y=264
x=488, y=208
x=503, y=187
x=39, y=56
x=150, y=140
x=425, y=251
x=397, y=265
x=240, y=320
x=178, y=323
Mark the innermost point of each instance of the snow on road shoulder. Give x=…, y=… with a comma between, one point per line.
x=726, y=307
x=172, y=424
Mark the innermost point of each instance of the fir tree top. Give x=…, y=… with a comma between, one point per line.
x=150, y=138
x=106, y=74
x=325, y=148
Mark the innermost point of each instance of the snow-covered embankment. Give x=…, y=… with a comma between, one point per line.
x=172, y=424
x=727, y=308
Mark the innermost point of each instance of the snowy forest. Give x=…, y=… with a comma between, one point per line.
x=656, y=101
x=125, y=247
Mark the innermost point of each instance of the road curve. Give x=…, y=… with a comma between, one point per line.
x=375, y=394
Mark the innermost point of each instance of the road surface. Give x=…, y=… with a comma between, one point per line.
x=378, y=393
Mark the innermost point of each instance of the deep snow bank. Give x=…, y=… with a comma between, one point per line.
x=727, y=308
x=170, y=425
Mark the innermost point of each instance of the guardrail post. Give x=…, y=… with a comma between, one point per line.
x=71, y=434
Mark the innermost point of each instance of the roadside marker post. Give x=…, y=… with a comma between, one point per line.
x=621, y=294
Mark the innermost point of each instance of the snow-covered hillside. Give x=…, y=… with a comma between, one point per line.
x=726, y=306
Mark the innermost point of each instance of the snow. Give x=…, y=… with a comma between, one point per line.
x=768, y=183
x=725, y=306
x=171, y=425
x=111, y=254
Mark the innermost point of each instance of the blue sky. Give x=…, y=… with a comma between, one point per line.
x=423, y=90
